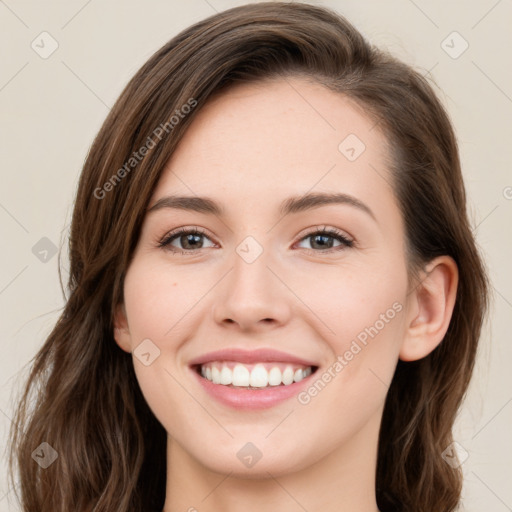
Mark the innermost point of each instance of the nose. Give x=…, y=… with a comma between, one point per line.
x=252, y=297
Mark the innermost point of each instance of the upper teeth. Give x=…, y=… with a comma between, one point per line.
x=256, y=376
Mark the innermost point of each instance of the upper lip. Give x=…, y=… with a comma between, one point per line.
x=261, y=355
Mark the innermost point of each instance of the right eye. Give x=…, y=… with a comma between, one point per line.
x=189, y=239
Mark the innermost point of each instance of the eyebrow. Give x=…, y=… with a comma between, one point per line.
x=288, y=206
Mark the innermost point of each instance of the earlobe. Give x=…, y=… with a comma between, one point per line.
x=433, y=301
x=121, y=330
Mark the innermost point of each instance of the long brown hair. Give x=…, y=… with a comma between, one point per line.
x=82, y=395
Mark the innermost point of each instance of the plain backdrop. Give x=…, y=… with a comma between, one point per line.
x=52, y=105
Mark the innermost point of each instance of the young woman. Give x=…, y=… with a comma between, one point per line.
x=275, y=296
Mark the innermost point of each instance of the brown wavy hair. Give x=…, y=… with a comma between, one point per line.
x=82, y=395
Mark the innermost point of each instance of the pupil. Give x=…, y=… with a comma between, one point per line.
x=322, y=244
x=190, y=238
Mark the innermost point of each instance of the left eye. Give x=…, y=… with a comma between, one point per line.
x=324, y=240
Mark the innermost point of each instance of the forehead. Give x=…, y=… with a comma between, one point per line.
x=279, y=138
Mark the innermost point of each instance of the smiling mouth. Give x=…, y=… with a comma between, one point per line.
x=256, y=376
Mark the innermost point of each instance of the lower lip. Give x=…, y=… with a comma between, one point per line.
x=241, y=398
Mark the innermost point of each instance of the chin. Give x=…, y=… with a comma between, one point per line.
x=254, y=460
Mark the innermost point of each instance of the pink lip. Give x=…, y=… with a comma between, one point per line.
x=250, y=399
x=261, y=355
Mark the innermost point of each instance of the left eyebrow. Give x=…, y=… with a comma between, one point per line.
x=315, y=200
x=289, y=206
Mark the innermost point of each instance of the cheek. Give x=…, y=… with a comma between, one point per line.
x=357, y=303
x=157, y=298
x=161, y=305
x=365, y=313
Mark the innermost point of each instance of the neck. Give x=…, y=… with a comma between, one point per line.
x=342, y=481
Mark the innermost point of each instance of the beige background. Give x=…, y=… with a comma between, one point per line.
x=52, y=107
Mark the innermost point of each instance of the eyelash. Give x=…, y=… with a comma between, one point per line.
x=330, y=232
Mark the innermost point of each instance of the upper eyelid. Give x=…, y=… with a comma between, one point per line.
x=329, y=229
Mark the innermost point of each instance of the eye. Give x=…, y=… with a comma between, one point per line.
x=190, y=240
x=323, y=240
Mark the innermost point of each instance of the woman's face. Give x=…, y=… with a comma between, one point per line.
x=259, y=296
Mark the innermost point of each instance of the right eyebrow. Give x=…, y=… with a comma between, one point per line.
x=196, y=204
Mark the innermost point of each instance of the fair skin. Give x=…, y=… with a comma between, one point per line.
x=249, y=150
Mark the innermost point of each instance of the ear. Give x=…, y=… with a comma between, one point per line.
x=121, y=331
x=430, y=308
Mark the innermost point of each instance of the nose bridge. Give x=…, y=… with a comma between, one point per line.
x=250, y=273
x=252, y=295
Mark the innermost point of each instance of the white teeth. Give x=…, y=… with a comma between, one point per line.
x=288, y=376
x=258, y=377
x=215, y=375
x=241, y=376
x=274, y=376
x=226, y=376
